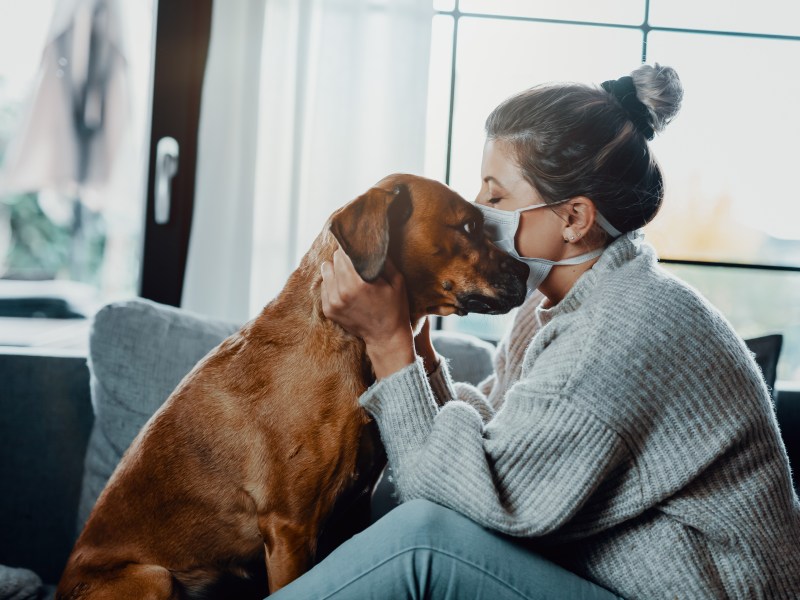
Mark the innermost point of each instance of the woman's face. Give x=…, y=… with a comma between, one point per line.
x=504, y=187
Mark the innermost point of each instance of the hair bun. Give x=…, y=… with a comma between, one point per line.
x=624, y=90
x=651, y=96
x=660, y=90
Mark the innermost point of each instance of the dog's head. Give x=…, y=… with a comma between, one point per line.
x=435, y=238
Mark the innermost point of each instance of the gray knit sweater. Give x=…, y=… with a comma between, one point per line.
x=627, y=429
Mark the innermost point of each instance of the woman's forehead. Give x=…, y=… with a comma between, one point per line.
x=499, y=166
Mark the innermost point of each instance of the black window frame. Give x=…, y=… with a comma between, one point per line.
x=183, y=30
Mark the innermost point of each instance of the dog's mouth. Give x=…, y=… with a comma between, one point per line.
x=464, y=305
x=444, y=310
x=510, y=294
x=487, y=305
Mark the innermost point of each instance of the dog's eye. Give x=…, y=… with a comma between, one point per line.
x=470, y=228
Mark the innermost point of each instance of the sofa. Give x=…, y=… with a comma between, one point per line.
x=66, y=421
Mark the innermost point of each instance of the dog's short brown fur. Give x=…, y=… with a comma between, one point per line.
x=243, y=463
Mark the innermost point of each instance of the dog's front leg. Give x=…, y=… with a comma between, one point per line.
x=289, y=549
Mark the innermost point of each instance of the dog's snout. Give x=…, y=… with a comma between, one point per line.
x=509, y=264
x=510, y=281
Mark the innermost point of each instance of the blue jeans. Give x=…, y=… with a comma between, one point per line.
x=423, y=550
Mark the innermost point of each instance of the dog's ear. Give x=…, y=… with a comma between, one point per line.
x=365, y=227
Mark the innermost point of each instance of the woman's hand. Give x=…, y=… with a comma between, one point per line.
x=376, y=312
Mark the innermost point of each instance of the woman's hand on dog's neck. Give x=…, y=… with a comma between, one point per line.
x=376, y=312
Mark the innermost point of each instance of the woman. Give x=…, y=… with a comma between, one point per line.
x=626, y=443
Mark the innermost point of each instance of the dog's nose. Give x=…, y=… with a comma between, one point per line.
x=516, y=267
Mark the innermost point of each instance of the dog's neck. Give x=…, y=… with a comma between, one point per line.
x=301, y=297
x=298, y=306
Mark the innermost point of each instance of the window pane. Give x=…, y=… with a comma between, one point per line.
x=52, y=226
x=764, y=16
x=21, y=41
x=756, y=303
x=730, y=158
x=437, y=118
x=444, y=4
x=619, y=11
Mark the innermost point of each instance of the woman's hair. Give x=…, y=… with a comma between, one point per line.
x=577, y=140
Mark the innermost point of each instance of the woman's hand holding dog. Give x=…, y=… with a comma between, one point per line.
x=376, y=312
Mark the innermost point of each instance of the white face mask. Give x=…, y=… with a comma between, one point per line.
x=501, y=227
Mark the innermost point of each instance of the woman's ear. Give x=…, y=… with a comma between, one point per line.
x=580, y=214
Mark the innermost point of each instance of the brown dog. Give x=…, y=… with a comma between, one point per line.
x=243, y=463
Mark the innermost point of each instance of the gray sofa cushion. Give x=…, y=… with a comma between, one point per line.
x=19, y=584
x=139, y=351
x=470, y=358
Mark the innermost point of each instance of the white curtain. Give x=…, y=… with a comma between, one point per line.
x=336, y=100
x=220, y=247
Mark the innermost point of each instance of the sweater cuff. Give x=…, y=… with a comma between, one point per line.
x=403, y=405
x=442, y=383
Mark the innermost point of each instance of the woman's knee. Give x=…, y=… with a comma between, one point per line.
x=425, y=521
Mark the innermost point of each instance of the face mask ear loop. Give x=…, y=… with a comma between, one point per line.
x=532, y=206
x=607, y=227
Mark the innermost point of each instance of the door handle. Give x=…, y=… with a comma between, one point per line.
x=167, y=154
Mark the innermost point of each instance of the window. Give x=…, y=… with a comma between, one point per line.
x=729, y=225
x=56, y=233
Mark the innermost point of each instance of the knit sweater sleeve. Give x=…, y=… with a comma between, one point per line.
x=488, y=394
x=445, y=390
x=525, y=473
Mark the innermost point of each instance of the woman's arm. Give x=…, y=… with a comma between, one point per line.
x=445, y=390
x=526, y=473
